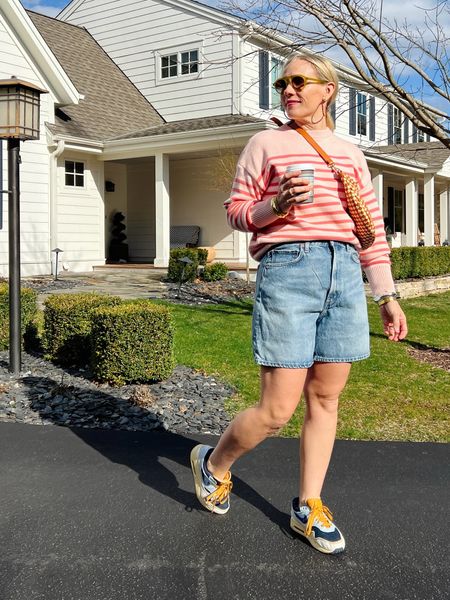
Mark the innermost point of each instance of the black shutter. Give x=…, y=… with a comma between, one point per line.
x=414, y=134
x=352, y=111
x=372, y=118
x=263, y=79
x=390, y=124
x=427, y=137
x=406, y=131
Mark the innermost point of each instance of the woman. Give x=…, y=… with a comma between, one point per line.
x=310, y=313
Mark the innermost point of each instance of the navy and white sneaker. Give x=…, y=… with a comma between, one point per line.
x=314, y=521
x=212, y=493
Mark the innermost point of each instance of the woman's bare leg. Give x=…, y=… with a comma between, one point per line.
x=280, y=394
x=323, y=385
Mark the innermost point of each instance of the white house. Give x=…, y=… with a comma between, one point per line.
x=192, y=87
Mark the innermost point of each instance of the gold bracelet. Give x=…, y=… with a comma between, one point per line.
x=276, y=208
x=385, y=300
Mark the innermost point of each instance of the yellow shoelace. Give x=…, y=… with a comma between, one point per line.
x=320, y=512
x=222, y=492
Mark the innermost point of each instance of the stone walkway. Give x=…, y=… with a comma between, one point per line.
x=129, y=283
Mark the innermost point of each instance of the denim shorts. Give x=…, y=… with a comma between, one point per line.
x=309, y=306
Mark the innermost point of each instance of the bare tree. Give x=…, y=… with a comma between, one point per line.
x=404, y=63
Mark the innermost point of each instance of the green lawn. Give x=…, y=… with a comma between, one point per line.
x=390, y=396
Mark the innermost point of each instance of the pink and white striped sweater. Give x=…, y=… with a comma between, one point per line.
x=259, y=170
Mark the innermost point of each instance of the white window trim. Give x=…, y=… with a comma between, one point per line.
x=394, y=128
x=358, y=133
x=272, y=92
x=74, y=187
x=178, y=49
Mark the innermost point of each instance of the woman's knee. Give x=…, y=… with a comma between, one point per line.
x=325, y=400
x=275, y=417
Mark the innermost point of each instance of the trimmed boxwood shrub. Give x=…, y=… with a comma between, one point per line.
x=67, y=325
x=424, y=261
x=202, y=256
x=28, y=309
x=132, y=342
x=175, y=268
x=215, y=272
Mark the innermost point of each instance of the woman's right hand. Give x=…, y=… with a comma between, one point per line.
x=292, y=190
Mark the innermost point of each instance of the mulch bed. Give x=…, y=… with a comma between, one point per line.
x=210, y=292
x=438, y=357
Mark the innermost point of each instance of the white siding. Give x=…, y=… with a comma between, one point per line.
x=80, y=215
x=115, y=201
x=34, y=170
x=250, y=84
x=133, y=32
x=194, y=201
x=140, y=216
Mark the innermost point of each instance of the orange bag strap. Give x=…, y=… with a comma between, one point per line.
x=316, y=147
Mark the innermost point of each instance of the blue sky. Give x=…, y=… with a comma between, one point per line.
x=53, y=7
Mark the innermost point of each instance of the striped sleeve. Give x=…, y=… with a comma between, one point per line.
x=374, y=260
x=246, y=208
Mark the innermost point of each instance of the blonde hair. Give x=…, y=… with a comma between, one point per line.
x=325, y=70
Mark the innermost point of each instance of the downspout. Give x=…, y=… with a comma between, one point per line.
x=53, y=196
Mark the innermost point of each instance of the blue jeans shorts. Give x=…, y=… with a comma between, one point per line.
x=309, y=306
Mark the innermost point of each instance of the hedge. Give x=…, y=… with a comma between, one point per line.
x=419, y=261
x=28, y=303
x=132, y=342
x=67, y=326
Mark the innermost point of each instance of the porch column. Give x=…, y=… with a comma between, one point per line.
x=377, y=182
x=428, y=208
x=444, y=201
x=412, y=212
x=162, y=210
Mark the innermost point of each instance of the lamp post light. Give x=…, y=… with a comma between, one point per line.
x=56, y=251
x=19, y=120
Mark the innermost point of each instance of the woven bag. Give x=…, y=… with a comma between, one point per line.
x=356, y=207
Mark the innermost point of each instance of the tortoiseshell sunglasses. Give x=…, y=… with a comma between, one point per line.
x=298, y=82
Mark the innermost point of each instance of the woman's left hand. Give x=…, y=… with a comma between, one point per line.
x=394, y=321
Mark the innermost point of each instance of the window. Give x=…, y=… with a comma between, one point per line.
x=270, y=68
x=361, y=103
x=189, y=62
x=421, y=214
x=74, y=173
x=275, y=72
x=169, y=67
x=398, y=211
x=420, y=136
x=397, y=126
x=179, y=63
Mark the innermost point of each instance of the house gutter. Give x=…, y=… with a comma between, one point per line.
x=60, y=146
x=172, y=143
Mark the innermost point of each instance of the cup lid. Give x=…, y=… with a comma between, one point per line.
x=300, y=167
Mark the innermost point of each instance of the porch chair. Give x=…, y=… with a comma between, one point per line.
x=184, y=236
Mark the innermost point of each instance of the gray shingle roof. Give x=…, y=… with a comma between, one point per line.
x=191, y=125
x=112, y=105
x=433, y=154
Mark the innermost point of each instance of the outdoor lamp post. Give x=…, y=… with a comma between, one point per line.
x=19, y=120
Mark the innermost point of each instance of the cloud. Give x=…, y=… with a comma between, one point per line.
x=46, y=8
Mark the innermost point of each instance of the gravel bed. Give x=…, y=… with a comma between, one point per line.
x=47, y=285
x=45, y=394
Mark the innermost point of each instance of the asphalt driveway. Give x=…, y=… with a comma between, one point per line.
x=107, y=515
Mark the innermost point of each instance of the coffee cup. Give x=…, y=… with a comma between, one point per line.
x=306, y=172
